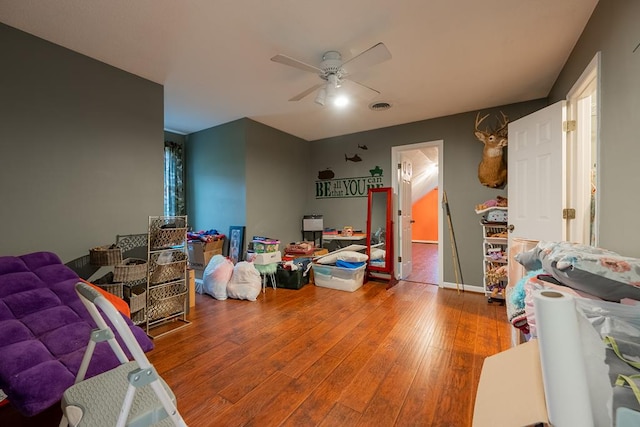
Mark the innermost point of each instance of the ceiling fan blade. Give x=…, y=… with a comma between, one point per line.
x=359, y=89
x=286, y=60
x=301, y=95
x=374, y=55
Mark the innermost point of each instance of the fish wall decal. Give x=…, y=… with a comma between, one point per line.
x=326, y=174
x=354, y=158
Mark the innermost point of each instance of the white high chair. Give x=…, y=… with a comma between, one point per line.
x=132, y=394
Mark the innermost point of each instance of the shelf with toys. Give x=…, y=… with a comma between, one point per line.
x=494, y=247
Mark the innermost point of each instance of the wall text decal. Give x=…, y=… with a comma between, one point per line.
x=349, y=187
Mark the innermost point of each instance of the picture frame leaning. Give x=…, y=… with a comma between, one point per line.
x=236, y=243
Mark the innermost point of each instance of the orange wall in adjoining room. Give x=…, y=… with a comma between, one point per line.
x=425, y=214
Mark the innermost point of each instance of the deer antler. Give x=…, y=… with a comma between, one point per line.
x=479, y=120
x=502, y=123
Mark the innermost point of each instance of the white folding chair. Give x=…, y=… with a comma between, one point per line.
x=132, y=394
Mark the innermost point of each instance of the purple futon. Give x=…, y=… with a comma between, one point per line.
x=44, y=330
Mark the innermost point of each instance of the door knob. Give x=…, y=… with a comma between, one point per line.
x=510, y=228
x=412, y=221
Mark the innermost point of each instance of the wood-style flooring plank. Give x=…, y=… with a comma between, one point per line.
x=406, y=356
x=284, y=403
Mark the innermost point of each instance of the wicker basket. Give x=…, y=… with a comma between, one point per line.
x=162, y=271
x=105, y=255
x=137, y=300
x=168, y=237
x=165, y=300
x=139, y=317
x=131, y=269
x=112, y=288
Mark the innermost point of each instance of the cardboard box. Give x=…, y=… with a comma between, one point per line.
x=200, y=253
x=267, y=258
x=497, y=404
x=191, y=275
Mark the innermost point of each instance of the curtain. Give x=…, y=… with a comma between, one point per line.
x=174, y=203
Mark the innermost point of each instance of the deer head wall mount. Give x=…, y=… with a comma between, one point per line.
x=492, y=171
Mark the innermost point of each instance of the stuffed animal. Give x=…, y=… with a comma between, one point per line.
x=499, y=202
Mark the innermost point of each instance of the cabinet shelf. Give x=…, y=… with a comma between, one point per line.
x=495, y=260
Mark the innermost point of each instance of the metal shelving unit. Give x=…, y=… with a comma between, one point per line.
x=166, y=275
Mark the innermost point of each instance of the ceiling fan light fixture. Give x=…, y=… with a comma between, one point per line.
x=335, y=72
x=341, y=101
x=321, y=97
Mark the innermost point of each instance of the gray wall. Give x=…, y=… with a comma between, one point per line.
x=216, y=182
x=462, y=153
x=276, y=165
x=246, y=173
x=81, y=149
x=613, y=30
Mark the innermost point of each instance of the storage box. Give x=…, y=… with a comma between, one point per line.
x=267, y=245
x=300, y=248
x=289, y=279
x=342, y=279
x=265, y=258
x=312, y=223
x=200, y=253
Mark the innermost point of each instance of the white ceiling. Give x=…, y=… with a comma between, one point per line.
x=213, y=56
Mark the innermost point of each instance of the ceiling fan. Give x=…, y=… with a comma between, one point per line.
x=335, y=73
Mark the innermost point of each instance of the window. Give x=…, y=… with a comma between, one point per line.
x=174, y=179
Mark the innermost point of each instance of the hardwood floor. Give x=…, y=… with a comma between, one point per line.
x=408, y=356
x=424, y=260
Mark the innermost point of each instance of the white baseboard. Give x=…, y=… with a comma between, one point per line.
x=470, y=288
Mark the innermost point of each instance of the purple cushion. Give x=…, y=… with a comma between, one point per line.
x=44, y=330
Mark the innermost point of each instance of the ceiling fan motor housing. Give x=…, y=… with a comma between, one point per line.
x=335, y=72
x=332, y=64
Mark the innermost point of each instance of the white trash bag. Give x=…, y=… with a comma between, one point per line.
x=245, y=282
x=216, y=277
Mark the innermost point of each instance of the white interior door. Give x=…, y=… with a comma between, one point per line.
x=537, y=175
x=404, y=239
x=582, y=143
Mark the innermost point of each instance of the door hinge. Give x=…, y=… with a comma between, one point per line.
x=568, y=213
x=399, y=212
x=399, y=259
x=399, y=166
x=569, y=125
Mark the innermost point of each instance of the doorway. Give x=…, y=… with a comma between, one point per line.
x=582, y=142
x=425, y=250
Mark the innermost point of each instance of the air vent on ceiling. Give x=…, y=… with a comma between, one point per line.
x=379, y=106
